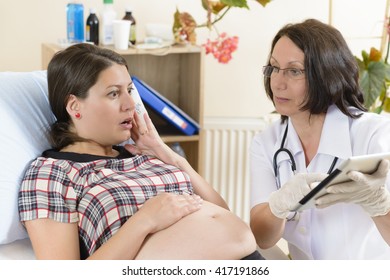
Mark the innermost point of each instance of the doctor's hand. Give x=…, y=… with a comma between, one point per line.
x=282, y=201
x=367, y=190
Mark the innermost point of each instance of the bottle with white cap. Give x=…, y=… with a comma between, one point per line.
x=106, y=27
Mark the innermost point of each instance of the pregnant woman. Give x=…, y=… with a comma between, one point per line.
x=90, y=198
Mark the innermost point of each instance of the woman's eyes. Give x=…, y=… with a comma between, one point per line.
x=114, y=93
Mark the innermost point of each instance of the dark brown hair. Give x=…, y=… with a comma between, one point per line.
x=74, y=71
x=331, y=70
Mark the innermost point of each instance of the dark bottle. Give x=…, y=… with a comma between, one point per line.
x=129, y=16
x=92, y=27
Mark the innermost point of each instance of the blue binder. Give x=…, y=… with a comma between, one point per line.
x=165, y=108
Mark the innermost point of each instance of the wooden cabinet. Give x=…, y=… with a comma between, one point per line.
x=176, y=73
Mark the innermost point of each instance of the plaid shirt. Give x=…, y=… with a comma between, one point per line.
x=100, y=195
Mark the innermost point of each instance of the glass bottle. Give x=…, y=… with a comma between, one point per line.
x=92, y=27
x=129, y=16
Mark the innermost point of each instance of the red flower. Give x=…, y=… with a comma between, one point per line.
x=222, y=48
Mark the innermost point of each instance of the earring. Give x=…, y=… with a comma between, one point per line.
x=77, y=115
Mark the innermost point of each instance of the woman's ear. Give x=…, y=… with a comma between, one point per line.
x=73, y=106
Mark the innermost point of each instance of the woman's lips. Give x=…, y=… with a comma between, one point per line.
x=281, y=99
x=127, y=124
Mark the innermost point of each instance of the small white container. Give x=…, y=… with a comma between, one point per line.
x=121, y=34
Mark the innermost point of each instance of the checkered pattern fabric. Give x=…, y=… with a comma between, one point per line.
x=99, y=195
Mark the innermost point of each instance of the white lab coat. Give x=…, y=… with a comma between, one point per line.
x=342, y=231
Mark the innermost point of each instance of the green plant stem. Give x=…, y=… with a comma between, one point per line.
x=216, y=20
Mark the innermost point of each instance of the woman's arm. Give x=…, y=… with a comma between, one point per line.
x=156, y=214
x=150, y=143
x=52, y=240
x=201, y=186
x=55, y=240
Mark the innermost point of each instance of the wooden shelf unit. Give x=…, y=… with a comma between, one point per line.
x=177, y=73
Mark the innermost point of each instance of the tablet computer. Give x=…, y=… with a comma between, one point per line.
x=364, y=163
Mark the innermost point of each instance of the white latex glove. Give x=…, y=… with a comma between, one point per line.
x=282, y=201
x=367, y=190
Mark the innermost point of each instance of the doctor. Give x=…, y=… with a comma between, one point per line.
x=312, y=79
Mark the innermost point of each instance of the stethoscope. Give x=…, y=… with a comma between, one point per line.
x=292, y=161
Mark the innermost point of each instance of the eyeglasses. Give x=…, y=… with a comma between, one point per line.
x=290, y=73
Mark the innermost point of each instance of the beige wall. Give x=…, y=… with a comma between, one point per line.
x=25, y=24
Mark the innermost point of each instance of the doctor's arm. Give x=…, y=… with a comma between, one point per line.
x=383, y=225
x=268, y=219
x=266, y=227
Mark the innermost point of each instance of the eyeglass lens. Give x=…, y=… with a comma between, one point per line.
x=291, y=73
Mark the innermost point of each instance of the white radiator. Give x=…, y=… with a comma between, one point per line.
x=226, y=159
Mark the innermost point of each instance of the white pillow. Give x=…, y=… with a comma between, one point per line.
x=25, y=118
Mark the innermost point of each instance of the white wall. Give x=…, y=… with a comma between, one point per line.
x=25, y=24
x=361, y=22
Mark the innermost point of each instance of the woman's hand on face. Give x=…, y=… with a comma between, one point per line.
x=166, y=209
x=148, y=141
x=145, y=136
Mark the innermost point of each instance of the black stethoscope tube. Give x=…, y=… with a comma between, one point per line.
x=292, y=161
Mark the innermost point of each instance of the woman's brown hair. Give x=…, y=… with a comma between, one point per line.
x=74, y=71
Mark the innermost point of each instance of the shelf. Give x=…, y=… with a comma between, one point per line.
x=174, y=49
x=179, y=138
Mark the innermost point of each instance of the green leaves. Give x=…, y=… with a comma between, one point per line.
x=372, y=81
x=216, y=7
x=213, y=7
x=374, y=77
x=243, y=3
x=184, y=27
x=236, y=3
x=263, y=2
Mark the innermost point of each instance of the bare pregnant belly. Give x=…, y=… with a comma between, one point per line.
x=210, y=233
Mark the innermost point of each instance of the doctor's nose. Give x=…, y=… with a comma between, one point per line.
x=279, y=80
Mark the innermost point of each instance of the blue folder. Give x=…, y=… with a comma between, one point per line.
x=165, y=108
